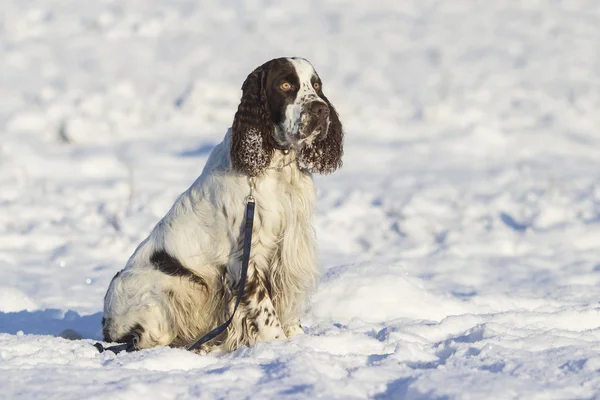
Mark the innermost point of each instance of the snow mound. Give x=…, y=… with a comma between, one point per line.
x=378, y=292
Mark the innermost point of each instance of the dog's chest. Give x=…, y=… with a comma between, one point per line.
x=285, y=201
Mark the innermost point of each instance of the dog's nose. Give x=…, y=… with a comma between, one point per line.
x=320, y=110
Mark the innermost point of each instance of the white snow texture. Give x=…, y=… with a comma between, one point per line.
x=460, y=242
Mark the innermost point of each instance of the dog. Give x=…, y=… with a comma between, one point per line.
x=181, y=282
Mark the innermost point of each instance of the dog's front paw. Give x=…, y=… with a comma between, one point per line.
x=293, y=330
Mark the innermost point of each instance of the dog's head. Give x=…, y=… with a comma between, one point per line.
x=283, y=107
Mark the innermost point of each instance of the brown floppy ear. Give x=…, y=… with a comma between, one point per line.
x=324, y=155
x=250, y=149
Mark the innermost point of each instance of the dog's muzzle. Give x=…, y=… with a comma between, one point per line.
x=316, y=119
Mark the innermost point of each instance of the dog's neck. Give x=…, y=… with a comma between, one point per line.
x=282, y=158
x=284, y=167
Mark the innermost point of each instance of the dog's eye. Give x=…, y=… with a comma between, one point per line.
x=316, y=85
x=285, y=86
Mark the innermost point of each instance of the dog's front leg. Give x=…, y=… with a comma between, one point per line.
x=260, y=310
x=255, y=320
x=294, y=329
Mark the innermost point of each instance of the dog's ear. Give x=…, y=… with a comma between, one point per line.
x=324, y=155
x=251, y=149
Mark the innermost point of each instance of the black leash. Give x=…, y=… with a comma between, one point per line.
x=128, y=347
x=242, y=283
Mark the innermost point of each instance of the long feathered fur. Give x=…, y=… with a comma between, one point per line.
x=251, y=145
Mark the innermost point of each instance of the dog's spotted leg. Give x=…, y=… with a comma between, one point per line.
x=259, y=317
x=269, y=325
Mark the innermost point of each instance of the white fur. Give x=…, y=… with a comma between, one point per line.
x=203, y=231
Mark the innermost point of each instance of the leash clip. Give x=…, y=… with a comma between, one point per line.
x=250, y=197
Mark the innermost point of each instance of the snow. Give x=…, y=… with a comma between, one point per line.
x=460, y=242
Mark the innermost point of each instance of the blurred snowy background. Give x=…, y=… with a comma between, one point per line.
x=460, y=243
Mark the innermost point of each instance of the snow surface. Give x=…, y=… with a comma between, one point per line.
x=460, y=243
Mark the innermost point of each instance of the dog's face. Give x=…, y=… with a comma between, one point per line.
x=283, y=107
x=298, y=111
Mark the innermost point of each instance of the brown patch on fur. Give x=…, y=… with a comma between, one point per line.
x=260, y=296
x=169, y=265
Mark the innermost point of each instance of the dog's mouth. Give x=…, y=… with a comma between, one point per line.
x=309, y=129
x=303, y=124
x=314, y=128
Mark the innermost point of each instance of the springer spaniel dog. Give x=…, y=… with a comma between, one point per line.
x=181, y=282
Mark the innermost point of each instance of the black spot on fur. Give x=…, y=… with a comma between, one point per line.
x=171, y=266
x=260, y=296
x=267, y=284
x=249, y=326
x=133, y=336
x=251, y=288
x=225, y=211
x=267, y=321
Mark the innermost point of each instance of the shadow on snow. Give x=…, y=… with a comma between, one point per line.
x=51, y=322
